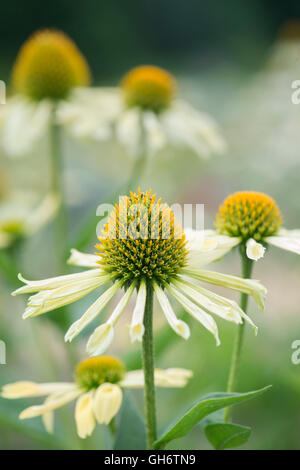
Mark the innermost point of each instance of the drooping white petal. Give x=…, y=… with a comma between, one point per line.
x=136, y=329
x=179, y=326
x=156, y=138
x=248, y=286
x=84, y=415
x=204, y=318
x=205, y=302
x=28, y=121
x=55, y=282
x=92, y=312
x=128, y=130
x=236, y=312
x=24, y=389
x=100, y=340
x=254, y=250
x=48, y=417
x=42, y=214
x=187, y=127
x=206, y=246
x=289, y=242
x=61, y=400
x=102, y=337
x=89, y=112
x=85, y=260
x=174, y=377
x=45, y=301
x=107, y=402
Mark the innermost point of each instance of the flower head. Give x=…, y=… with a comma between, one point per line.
x=97, y=388
x=143, y=114
x=148, y=87
x=249, y=215
x=49, y=65
x=142, y=247
x=254, y=219
x=142, y=241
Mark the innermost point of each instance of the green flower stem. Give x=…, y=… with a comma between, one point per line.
x=247, y=265
x=58, y=188
x=148, y=366
x=141, y=160
x=87, y=231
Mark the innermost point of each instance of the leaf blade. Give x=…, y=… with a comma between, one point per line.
x=204, y=407
x=227, y=435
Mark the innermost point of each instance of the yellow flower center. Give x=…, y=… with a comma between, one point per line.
x=248, y=215
x=13, y=226
x=148, y=87
x=91, y=373
x=49, y=65
x=142, y=240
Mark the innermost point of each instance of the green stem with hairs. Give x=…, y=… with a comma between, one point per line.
x=247, y=265
x=148, y=366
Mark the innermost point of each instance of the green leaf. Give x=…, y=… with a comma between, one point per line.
x=131, y=431
x=227, y=435
x=207, y=405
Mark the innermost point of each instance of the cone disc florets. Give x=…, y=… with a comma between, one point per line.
x=142, y=240
x=93, y=372
x=49, y=65
x=148, y=87
x=249, y=215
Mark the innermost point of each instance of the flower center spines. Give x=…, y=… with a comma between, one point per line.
x=142, y=240
x=93, y=372
x=248, y=215
x=49, y=65
x=148, y=87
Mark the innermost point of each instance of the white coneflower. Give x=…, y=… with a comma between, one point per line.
x=47, y=68
x=22, y=217
x=254, y=219
x=143, y=114
x=97, y=387
x=165, y=262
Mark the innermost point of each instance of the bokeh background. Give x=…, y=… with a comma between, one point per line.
x=235, y=60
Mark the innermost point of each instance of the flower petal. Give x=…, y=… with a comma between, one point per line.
x=136, y=329
x=24, y=389
x=248, y=286
x=179, y=326
x=62, y=399
x=107, y=402
x=205, y=302
x=100, y=340
x=84, y=415
x=92, y=312
x=204, y=318
x=47, y=300
x=86, y=260
x=174, y=377
x=288, y=242
x=254, y=250
x=206, y=246
x=55, y=282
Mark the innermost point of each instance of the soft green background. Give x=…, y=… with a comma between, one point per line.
x=230, y=61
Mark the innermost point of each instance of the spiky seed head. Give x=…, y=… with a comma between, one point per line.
x=49, y=65
x=142, y=240
x=248, y=215
x=149, y=87
x=95, y=371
